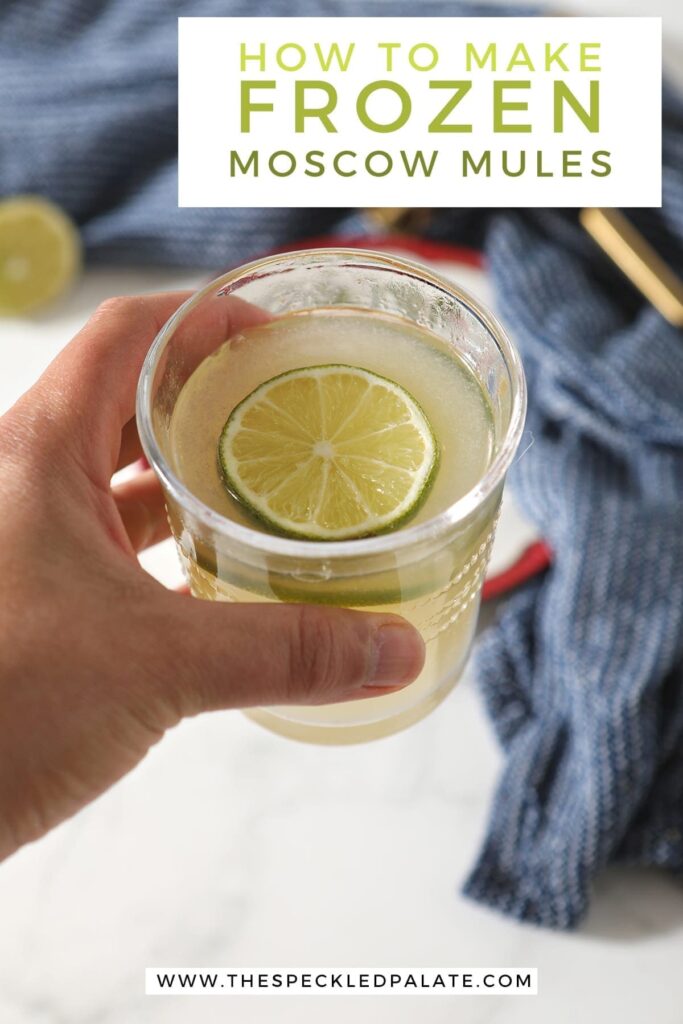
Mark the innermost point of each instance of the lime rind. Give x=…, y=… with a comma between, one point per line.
x=40, y=253
x=373, y=524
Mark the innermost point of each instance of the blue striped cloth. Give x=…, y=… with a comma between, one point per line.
x=583, y=672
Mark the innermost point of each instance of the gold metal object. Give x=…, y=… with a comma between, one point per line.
x=643, y=266
x=404, y=219
x=612, y=231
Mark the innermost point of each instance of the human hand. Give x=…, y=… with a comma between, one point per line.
x=97, y=659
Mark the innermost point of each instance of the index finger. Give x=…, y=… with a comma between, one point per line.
x=90, y=387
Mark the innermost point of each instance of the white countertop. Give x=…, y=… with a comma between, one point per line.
x=229, y=846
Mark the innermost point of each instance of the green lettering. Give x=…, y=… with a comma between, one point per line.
x=472, y=55
x=236, y=163
x=419, y=159
x=484, y=163
x=571, y=163
x=389, y=163
x=553, y=57
x=500, y=105
x=507, y=170
x=246, y=105
x=334, y=51
x=337, y=165
x=260, y=57
x=563, y=94
x=389, y=47
x=367, y=92
x=461, y=89
x=301, y=111
x=313, y=162
x=585, y=56
x=601, y=160
x=299, y=60
x=540, y=173
x=433, y=59
x=520, y=58
x=291, y=164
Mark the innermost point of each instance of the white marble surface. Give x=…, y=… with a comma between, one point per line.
x=231, y=846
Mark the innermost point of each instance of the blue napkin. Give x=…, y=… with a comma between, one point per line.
x=583, y=672
x=88, y=116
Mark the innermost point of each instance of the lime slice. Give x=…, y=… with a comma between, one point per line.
x=40, y=253
x=329, y=452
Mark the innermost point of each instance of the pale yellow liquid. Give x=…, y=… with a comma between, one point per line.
x=439, y=594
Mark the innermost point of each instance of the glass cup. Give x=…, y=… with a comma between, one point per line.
x=430, y=572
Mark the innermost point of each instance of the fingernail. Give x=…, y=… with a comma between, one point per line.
x=398, y=655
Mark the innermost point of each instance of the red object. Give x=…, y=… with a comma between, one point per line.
x=533, y=560
x=423, y=247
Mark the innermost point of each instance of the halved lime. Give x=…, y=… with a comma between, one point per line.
x=329, y=452
x=40, y=253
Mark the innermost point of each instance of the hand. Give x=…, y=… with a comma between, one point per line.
x=97, y=659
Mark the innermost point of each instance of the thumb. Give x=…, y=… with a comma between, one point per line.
x=243, y=655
